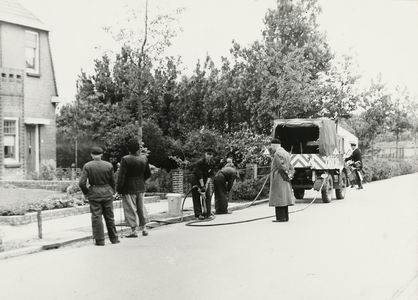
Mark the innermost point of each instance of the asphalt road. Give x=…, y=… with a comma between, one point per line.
x=363, y=247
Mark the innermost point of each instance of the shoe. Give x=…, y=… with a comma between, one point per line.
x=131, y=235
x=116, y=242
x=201, y=217
x=211, y=217
x=144, y=232
x=99, y=243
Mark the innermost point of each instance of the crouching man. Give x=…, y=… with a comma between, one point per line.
x=223, y=182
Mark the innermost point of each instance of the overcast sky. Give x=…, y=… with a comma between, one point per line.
x=382, y=33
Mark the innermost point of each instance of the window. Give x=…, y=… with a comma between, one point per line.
x=11, y=144
x=32, y=52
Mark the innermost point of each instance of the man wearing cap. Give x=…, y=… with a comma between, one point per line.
x=100, y=176
x=357, y=161
x=281, y=194
x=134, y=170
x=202, y=174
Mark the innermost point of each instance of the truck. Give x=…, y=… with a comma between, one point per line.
x=314, y=155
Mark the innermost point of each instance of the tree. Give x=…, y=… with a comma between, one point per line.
x=400, y=116
x=142, y=51
x=282, y=71
x=339, y=95
x=377, y=105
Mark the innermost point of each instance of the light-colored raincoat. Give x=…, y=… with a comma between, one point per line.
x=281, y=193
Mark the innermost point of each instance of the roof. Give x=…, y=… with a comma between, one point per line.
x=327, y=131
x=12, y=12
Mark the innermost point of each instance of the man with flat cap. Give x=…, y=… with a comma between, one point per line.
x=133, y=172
x=100, y=176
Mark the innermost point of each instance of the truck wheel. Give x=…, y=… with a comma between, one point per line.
x=327, y=190
x=340, y=193
x=299, y=193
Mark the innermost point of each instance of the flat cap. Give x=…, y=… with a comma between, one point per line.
x=96, y=150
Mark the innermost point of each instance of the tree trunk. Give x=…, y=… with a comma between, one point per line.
x=139, y=121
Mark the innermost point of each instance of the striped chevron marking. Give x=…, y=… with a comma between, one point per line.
x=316, y=161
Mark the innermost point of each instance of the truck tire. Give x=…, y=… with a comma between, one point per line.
x=299, y=193
x=340, y=193
x=326, y=190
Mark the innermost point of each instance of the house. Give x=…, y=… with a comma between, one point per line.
x=344, y=138
x=28, y=94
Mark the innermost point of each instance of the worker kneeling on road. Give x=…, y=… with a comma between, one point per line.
x=223, y=182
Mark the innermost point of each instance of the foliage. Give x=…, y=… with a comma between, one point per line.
x=50, y=203
x=160, y=182
x=339, y=95
x=249, y=189
x=46, y=172
x=381, y=169
x=377, y=107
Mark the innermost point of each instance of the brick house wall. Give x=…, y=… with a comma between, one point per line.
x=25, y=96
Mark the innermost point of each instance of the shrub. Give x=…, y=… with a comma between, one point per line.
x=381, y=169
x=160, y=182
x=249, y=189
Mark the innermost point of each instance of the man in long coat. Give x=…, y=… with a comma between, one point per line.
x=281, y=195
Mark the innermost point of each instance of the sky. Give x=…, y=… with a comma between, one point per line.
x=382, y=34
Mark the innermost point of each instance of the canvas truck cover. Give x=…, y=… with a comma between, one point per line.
x=327, y=141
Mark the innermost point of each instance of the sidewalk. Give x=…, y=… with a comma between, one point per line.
x=24, y=239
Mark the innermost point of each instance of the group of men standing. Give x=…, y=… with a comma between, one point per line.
x=98, y=183
x=129, y=182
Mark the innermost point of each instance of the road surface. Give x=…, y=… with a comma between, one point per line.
x=361, y=248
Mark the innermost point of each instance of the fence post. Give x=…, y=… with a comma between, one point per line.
x=252, y=168
x=39, y=217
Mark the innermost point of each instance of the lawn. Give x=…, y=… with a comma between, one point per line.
x=9, y=196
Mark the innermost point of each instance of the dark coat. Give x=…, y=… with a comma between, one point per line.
x=281, y=193
x=202, y=169
x=228, y=175
x=355, y=156
x=134, y=170
x=100, y=176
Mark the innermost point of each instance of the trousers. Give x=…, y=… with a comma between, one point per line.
x=99, y=208
x=206, y=210
x=282, y=213
x=221, y=194
x=134, y=209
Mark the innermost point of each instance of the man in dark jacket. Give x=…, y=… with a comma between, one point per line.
x=355, y=157
x=223, y=182
x=101, y=180
x=202, y=174
x=134, y=170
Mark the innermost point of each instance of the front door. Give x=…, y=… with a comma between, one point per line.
x=30, y=149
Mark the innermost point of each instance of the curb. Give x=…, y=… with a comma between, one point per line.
x=151, y=224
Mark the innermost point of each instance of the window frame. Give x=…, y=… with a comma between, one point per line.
x=14, y=160
x=34, y=70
